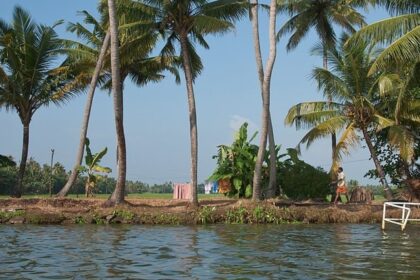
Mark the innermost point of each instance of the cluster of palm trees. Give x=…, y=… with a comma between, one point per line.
x=119, y=45
x=369, y=89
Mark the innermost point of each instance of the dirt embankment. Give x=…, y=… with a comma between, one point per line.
x=160, y=211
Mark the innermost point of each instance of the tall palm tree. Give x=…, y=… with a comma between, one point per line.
x=187, y=22
x=357, y=106
x=135, y=48
x=117, y=196
x=29, y=75
x=272, y=184
x=265, y=80
x=321, y=15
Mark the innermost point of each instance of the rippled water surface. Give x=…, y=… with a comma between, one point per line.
x=209, y=252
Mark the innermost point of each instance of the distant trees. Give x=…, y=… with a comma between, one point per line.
x=38, y=177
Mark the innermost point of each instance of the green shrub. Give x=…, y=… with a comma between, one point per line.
x=300, y=180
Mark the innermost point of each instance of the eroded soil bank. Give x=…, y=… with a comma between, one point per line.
x=163, y=211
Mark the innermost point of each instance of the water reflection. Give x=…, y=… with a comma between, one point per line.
x=209, y=252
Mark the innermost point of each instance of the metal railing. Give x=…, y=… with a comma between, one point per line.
x=405, y=215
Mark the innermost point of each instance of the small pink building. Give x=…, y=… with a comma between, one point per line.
x=182, y=191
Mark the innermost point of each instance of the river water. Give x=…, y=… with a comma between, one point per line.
x=209, y=252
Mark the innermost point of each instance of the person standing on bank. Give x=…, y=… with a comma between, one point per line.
x=341, y=185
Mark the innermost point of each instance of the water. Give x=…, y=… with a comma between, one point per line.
x=209, y=252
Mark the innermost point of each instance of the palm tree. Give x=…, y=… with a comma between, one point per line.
x=29, y=75
x=357, y=106
x=265, y=79
x=401, y=33
x=272, y=184
x=117, y=196
x=401, y=109
x=135, y=47
x=187, y=22
x=321, y=15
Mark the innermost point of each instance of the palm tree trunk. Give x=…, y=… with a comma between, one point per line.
x=117, y=196
x=17, y=192
x=379, y=169
x=186, y=63
x=333, y=135
x=334, y=165
x=256, y=192
x=86, y=117
x=272, y=183
x=260, y=69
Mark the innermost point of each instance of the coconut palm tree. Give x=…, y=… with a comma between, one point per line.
x=187, y=22
x=401, y=33
x=272, y=184
x=265, y=79
x=321, y=15
x=401, y=106
x=135, y=48
x=117, y=196
x=356, y=109
x=30, y=76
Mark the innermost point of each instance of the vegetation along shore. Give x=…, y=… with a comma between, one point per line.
x=181, y=212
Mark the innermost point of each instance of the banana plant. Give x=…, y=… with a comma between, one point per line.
x=236, y=163
x=92, y=168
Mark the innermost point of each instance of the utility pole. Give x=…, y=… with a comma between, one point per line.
x=51, y=174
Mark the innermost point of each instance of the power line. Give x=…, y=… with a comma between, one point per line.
x=346, y=162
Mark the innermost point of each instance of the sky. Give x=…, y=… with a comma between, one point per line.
x=156, y=116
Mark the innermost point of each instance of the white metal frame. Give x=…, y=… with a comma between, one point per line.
x=405, y=216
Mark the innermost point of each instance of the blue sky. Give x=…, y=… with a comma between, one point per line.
x=156, y=116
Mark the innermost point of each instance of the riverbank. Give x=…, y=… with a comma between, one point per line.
x=177, y=212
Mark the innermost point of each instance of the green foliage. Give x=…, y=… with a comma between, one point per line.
x=236, y=163
x=8, y=177
x=6, y=161
x=38, y=178
x=7, y=215
x=205, y=214
x=259, y=214
x=237, y=215
x=161, y=188
x=79, y=220
x=92, y=168
x=265, y=215
x=300, y=180
x=98, y=220
x=126, y=215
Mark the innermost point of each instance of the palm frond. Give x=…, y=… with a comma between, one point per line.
x=348, y=140
x=331, y=84
x=324, y=129
x=404, y=139
x=402, y=50
x=309, y=114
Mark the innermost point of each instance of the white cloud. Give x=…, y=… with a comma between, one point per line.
x=236, y=121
